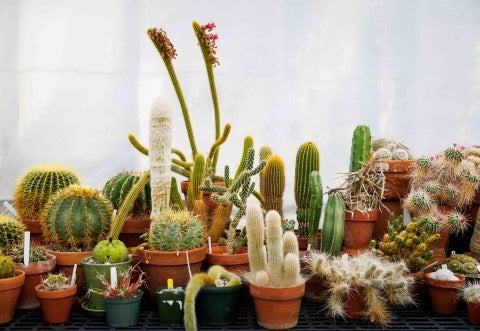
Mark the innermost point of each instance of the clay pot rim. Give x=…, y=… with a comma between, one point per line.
x=430, y=281
x=38, y=267
x=195, y=255
x=370, y=215
x=42, y=294
x=277, y=292
x=13, y=282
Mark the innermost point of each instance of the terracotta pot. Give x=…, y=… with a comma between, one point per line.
x=277, y=308
x=210, y=205
x=56, y=305
x=236, y=263
x=354, y=305
x=34, y=272
x=444, y=294
x=419, y=288
x=358, y=230
x=397, y=177
x=66, y=262
x=36, y=234
x=159, y=266
x=9, y=292
x=473, y=311
x=132, y=230
x=381, y=224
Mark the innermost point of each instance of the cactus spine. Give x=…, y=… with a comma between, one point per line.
x=11, y=233
x=361, y=147
x=272, y=179
x=314, y=212
x=277, y=263
x=37, y=185
x=307, y=160
x=76, y=218
x=333, y=224
x=159, y=153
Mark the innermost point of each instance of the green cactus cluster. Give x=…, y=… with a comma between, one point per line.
x=272, y=183
x=333, y=225
x=361, y=147
x=176, y=230
x=7, y=267
x=117, y=188
x=37, y=254
x=56, y=282
x=275, y=263
x=463, y=264
x=110, y=251
x=307, y=160
x=76, y=218
x=37, y=184
x=12, y=232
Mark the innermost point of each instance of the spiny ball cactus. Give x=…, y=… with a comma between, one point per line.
x=110, y=251
x=7, y=267
x=37, y=185
x=76, y=217
x=56, y=282
x=463, y=264
x=11, y=233
x=117, y=188
x=176, y=230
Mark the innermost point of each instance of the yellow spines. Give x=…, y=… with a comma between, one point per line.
x=272, y=184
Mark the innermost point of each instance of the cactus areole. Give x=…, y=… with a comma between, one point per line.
x=110, y=251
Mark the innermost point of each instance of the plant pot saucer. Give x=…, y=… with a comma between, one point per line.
x=93, y=312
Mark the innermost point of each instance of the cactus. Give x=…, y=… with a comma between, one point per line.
x=307, y=160
x=7, y=267
x=76, y=217
x=176, y=230
x=272, y=184
x=273, y=264
x=333, y=224
x=12, y=232
x=56, y=282
x=110, y=251
x=175, y=197
x=314, y=211
x=37, y=185
x=196, y=179
x=471, y=292
x=116, y=190
x=361, y=147
x=463, y=264
x=37, y=254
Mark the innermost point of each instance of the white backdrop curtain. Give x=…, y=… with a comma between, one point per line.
x=77, y=76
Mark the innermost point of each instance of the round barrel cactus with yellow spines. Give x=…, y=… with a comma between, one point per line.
x=76, y=218
x=37, y=185
x=11, y=233
x=7, y=267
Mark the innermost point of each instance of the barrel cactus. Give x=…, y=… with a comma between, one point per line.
x=7, y=267
x=110, y=251
x=11, y=233
x=176, y=230
x=76, y=218
x=117, y=188
x=37, y=185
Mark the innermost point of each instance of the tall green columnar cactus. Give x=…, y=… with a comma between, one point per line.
x=314, y=211
x=278, y=263
x=76, y=218
x=333, y=225
x=273, y=179
x=196, y=180
x=361, y=147
x=159, y=153
x=117, y=188
x=175, y=197
x=247, y=145
x=307, y=160
x=37, y=185
x=11, y=233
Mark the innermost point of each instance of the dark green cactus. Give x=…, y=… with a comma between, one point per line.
x=333, y=225
x=314, y=211
x=76, y=218
x=117, y=188
x=361, y=147
x=11, y=233
x=272, y=184
x=307, y=160
x=175, y=197
x=7, y=267
x=196, y=180
x=37, y=185
x=37, y=254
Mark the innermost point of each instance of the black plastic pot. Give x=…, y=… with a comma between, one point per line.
x=122, y=313
x=217, y=305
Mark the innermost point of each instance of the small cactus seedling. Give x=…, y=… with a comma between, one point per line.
x=56, y=282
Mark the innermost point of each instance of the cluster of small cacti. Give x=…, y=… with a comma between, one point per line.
x=412, y=243
x=471, y=292
x=56, y=282
x=76, y=217
x=379, y=282
x=7, y=267
x=110, y=251
x=273, y=255
x=117, y=188
x=463, y=264
x=176, y=230
x=37, y=254
x=37, y=184
x=12, y=232
x=390, y=149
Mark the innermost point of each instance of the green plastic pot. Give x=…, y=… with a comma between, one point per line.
x=217, y=305
x=122, y=313
x=170, y=305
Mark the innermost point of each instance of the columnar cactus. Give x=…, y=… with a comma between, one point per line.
x=314, y=211
x=117, y=188
x=7, y=267
x=277, y=263
x=196, y=180
x=11, y=233
x=307, y=160
x=37, y=185
x=76, y=217
x=272, y=183
x=361, y=147
x=333, y=225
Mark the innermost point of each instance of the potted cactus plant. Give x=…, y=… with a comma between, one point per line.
x=274, y=280
x=11, y=282
x=56, y=293
x=33, y=189
x=471, y=295
x=107, y=254
x=212, y=297
x=444, y=289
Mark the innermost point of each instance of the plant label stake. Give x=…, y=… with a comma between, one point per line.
x=113, y=277
x=10, y=208
x=26, y=248
x=74, y=275
x=209, y=245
